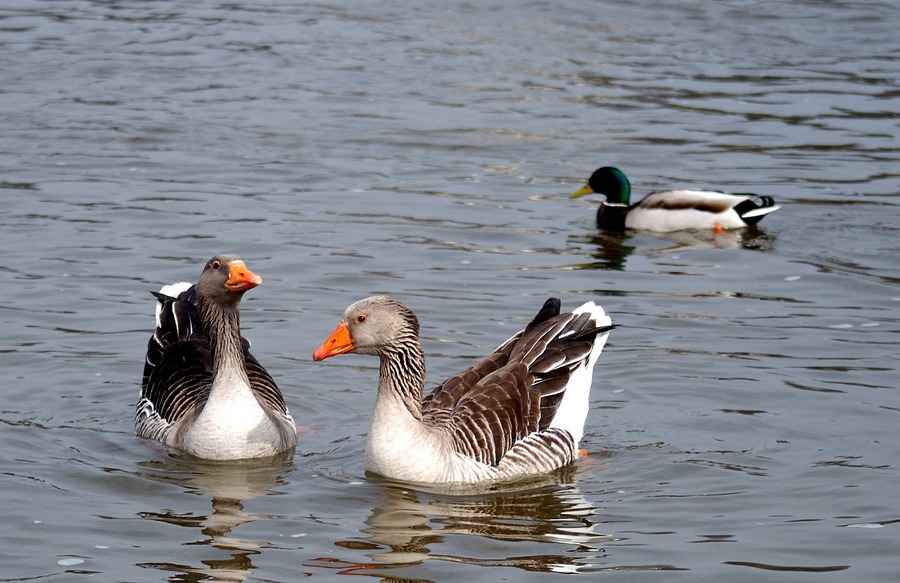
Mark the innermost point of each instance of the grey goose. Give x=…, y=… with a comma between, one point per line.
x=203, y=392
x=517, y=413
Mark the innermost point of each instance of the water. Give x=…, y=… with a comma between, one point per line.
x=744, y=416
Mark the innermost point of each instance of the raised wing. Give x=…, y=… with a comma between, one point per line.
x=489, y=407
x=178, y=367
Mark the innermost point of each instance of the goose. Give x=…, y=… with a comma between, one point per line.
x=671, y=210
x=519, y=412
x=202, y=390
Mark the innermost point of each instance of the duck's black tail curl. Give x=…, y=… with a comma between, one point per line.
x=755, y=208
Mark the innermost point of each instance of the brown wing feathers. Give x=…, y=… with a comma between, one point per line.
x=495, y=414
x=660, y=200
x=516, y=391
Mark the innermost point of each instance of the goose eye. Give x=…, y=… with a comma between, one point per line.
x=216, y=265
x=361, y=319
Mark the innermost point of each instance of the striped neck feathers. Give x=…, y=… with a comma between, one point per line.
x=222, y=326
x=402, y=372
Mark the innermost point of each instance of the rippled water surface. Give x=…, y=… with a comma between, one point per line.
x=745, y=415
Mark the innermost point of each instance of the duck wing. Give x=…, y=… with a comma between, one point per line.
x=702, y=200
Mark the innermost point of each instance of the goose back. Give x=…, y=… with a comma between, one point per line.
x=508, y=402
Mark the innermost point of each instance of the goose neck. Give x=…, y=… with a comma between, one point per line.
x=223, y=329
x=402, y=374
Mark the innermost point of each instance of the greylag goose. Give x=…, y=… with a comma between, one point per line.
x=519, y=412
x=202, y=391
x=671, y=210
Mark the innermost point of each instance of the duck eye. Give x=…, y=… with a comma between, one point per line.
x=215, y=264
x=361, y=319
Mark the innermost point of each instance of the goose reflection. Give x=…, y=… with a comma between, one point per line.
x=228, y=485
x=538, y=525
x=614, y=248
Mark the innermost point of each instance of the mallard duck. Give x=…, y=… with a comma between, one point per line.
x=519, y=412
x=202, y=391
x=671, y=210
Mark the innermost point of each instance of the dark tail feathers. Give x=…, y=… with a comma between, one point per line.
x=755, y=208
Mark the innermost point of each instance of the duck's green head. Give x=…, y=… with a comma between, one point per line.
x=608, y=181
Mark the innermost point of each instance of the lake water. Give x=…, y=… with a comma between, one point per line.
x=745, y=416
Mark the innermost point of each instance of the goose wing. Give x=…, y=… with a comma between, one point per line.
x=178, y=368
x=262, y=383
x=485, y=409
x=515, y=392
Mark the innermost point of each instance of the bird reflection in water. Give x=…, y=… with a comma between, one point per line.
x=613, y=248
x=408, y=526
x=228, y=485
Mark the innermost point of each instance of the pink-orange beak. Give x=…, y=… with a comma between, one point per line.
x=240, y=278
x=338, y=343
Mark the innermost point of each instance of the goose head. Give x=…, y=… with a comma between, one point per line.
x=371, y=326
x=225, y=278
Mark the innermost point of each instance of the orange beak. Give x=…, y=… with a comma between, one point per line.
x=240, y=278
x=338, y=343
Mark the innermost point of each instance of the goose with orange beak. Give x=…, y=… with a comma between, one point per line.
x=203, y=392
x=519, y=412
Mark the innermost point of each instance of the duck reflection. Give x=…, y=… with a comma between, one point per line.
x=228, y=485
x=614, y=248
x=408, y=525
